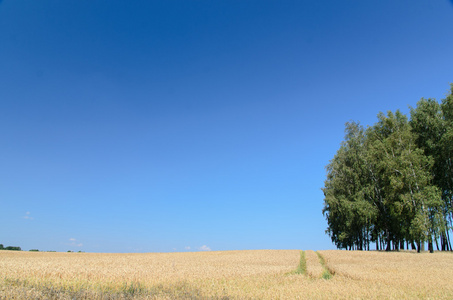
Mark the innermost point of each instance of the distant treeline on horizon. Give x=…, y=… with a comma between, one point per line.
x=15, y=248
x=10, y=248
x=392, y=183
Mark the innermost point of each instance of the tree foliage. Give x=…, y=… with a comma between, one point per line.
x=392, y=183
x=12, y=248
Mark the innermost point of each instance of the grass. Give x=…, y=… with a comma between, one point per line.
x=301, y=267
x=326, y=273
x=260, y=274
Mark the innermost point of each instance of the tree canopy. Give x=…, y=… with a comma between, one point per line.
x=392, y=183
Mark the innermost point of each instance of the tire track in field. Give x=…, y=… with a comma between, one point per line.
x=327, y=272
x=314, y=267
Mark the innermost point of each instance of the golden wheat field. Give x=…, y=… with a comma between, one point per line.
x=254, y=274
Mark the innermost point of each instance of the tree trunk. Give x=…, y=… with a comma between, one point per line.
x=430, y=245
x=437, y=244
x=448, y=242
x=442, y=241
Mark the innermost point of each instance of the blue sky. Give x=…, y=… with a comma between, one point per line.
x=160, y=126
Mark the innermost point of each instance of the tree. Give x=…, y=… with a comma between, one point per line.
x=446, y=157
x=430, y=126
x=411, y=199
x=347, y=208
x=13, y=248
x=380, y=185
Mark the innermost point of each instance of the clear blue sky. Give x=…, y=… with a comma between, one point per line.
x=155, y=126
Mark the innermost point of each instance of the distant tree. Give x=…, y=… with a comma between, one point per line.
x=1, y=247
x=13, y=248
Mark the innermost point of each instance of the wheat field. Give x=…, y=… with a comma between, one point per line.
x=253, y=274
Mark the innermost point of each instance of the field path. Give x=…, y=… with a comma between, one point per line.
x=314, y=267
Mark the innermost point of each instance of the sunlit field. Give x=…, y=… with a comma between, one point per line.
x=255, y=274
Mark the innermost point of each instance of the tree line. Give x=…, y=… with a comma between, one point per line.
x=10, y=248
x=392, y=183
x=15, y=248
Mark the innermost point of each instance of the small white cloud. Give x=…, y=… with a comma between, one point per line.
x=74, y=243
x=27, y=216
x=187, y=247
x=204, y=248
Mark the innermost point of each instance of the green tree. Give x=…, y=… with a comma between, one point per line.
x=347, y=208
x=379, y=188
x=393, y=183
x=13, y=248
x=446, y=158
x=411, y=200
x=430, y=126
